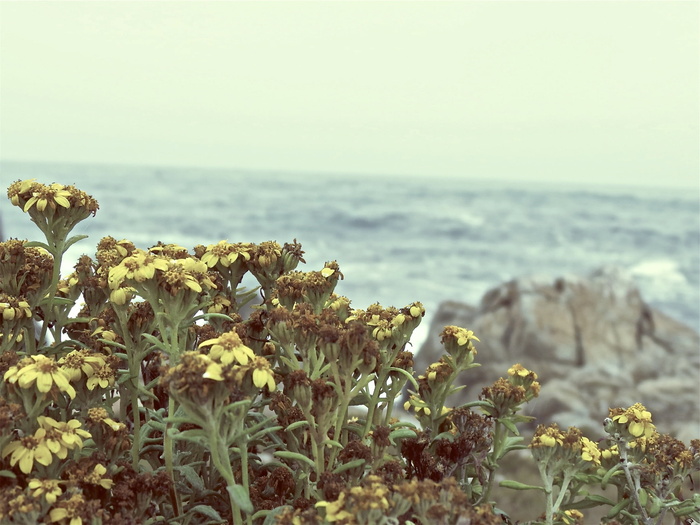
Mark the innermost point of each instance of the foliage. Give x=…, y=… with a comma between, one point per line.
x=149, y=386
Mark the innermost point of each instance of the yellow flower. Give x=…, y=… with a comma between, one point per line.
x=572, y=517
x=103, y=377
x=638, y=419
x=590, y=451
x=28, y=449
x=140, y=266
x=213, y=371
x=122, y=295
x=610, y=453
x=51, y=195
x=47, y=487
x=17, y=188
x=334, y=509
x=456, y=340
x=95, y=477
x=225, y=253
x=99, y=415
x=220, y=305
x=42, y=370
x=519, y=370
x=14, y=308
x=419, y=406
x=70, y=433
x=416, y=310
x=549, y=436
x=262, y=374
x=68, y=511
x=79, y=362
x=228, y=348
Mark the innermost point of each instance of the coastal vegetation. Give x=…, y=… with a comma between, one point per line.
x=150, y=386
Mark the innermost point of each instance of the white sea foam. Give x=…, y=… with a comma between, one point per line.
x=659, y=269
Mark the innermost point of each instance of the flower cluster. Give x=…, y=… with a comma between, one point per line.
x=149, y=386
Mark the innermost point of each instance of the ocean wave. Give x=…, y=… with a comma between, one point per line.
x=663, y=270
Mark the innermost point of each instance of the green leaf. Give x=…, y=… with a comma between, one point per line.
x=62, y=301
x=73, y=320
x=609, y=474
x=7, y=474
x=332, y=443
x=271, y=517
x=509, y=425
x=152, y=383
x=112, y=343
x=591, y=500
x=192, y=477
x=264, y=425
x=516, y=485
x=455, y=389
x=70, y=242
x=643, y=497
x=618, y=508
x=360, y=400
x=240, y=497
x=37, y=244
x=449, y=436
x=261, y=433
x=476, y=404
x=174, y=420
x=124, y=378
x=688, y=508
x=513, y=443
x=206, y=317
x=285, y=454
x=401, y=433
x=155, y=341
x=297, y=424
x=350, y=464
x=406, y=373
x=157, y=425
x=196, y=436
x=207, y=511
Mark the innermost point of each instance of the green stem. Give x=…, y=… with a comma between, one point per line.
x=47, y=302
x=133, y=362
x=493, y=461
x=381, y=380
x=547, y=482
x=169, y=463
x=562, y=491
x=318, y=454
x=222, y=463
x=633, y=483
x=243, y=446
x=136, y=414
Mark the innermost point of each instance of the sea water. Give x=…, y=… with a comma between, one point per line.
x=399, y=239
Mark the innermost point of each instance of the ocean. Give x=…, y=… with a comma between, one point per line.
x=398, y=239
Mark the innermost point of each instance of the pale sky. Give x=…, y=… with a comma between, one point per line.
x=591, y=91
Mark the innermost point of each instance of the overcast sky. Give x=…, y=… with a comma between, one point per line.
x=598, y=91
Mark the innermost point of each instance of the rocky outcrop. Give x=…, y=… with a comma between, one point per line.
x=594, y=344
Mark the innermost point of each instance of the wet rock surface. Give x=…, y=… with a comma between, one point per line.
x=594, y=343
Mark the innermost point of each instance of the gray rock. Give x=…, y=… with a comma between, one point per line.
x=594, y=344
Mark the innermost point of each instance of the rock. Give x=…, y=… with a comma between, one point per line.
x=594, y=344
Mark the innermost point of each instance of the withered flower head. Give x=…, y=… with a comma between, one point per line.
x=504, y=396
x=196, y=377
